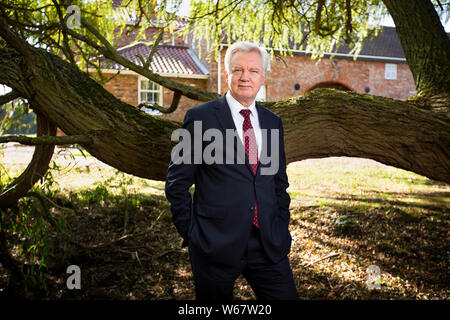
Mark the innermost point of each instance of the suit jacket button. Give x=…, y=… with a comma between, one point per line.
x=252, y=209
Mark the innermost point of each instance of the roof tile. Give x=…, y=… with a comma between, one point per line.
x=167, y=59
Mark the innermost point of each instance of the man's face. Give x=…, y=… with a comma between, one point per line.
x=246, y=76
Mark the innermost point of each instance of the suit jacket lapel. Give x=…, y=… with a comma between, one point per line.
x=225, y=119
x=223, y=114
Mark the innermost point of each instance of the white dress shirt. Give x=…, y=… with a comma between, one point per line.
x=238, y=119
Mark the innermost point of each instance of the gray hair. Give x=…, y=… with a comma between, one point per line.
x=246, y=46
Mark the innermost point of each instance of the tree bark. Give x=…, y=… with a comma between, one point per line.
x=45, y=140
x=327, y=122
x=122, y=136
x=322, y=123
x=425, y=43
x=35, y=170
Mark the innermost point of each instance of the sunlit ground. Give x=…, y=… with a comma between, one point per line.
x=347, y=215
x=360, y=213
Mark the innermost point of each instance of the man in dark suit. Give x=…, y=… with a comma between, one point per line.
x=238, y=220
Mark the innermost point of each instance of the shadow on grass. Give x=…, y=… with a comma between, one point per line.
x=127, y=248
x=410, y=242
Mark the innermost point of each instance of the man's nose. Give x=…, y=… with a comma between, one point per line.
x=245, y=76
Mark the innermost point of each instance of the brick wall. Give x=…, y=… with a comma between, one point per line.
x=287, y=71
x=125, y=88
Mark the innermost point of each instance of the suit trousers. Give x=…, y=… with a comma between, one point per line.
x=268, y=281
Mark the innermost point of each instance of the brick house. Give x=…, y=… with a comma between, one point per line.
x=380, y=69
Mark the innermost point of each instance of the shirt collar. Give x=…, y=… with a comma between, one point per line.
x=236, y=106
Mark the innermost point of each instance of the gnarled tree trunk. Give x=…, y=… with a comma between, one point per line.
x=35, y=170
x=425, y=43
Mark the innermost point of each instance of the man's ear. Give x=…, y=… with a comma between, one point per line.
x=263, y=78
x=228, y=78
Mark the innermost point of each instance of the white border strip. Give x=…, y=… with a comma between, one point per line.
x=171, y=75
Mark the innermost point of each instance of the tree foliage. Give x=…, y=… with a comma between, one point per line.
x=316, y=26
x=281, y=25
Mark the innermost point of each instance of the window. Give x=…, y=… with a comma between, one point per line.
x=150, y=92
x=390, y=71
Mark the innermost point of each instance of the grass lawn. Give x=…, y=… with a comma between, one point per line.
x=347, y=215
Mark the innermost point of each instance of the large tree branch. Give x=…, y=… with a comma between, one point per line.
x=47, y=140
x=322, y=123
x=9, y=97
x=15, y=41
x=325, y=123
x=35, y=169
x=132, y=141
x=108, y=51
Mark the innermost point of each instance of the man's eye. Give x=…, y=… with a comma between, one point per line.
x=237, y=70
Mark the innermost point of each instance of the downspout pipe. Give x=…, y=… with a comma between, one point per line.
x=219, y=71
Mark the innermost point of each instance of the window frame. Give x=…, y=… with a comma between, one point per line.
x=390, y=69
x=159, y=91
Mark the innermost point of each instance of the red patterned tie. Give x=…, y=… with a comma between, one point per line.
x=251, y=149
